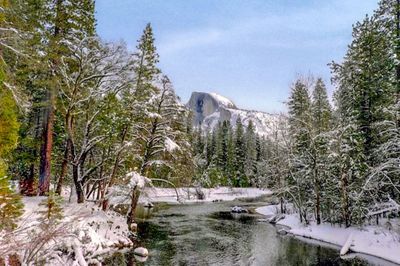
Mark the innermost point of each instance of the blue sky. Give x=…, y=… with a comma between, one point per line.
x=247, y=50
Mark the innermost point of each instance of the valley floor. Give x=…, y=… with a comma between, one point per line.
x=378, y=241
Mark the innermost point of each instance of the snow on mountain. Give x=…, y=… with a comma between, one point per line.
x=222, y=100
x=211, y=108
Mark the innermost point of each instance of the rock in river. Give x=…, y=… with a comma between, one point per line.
x=238, y=209
x=140, y=251
x=282, y=232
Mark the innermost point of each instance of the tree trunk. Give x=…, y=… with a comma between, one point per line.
x=100, y=190
x=134, y=200
x=64, y=167
x=345, y=200
x=26, y=185
x=318, y=204
x=78, y=185
x=46, y=149
x=317, y=196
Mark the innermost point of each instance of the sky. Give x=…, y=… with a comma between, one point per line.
x=249, y=51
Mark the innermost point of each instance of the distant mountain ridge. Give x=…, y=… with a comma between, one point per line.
x=211, y=108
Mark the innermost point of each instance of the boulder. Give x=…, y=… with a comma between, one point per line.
x=141, y=251
x=282, y=232
x=238, y=209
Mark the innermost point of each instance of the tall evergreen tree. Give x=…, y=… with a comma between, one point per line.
x=321, y=116
x=240, y=155
x=10, y=205
x=300, y=123
x=251, y=152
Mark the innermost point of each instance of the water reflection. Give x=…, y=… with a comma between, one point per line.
x=208, y=234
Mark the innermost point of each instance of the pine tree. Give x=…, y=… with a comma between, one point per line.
x=211, y=146
x=66, y=24
x=222, y=149
x=240, y=155
x=251, y=152
x=230, y=172
x=10, y=204
x=364, y=92
x=53, y=212
x=321, y=116
x=146, y=71
x=300, y=123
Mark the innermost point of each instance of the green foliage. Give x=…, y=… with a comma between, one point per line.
x=230, y=156
x=11, y=207
x=8, y=127
x=52, y=212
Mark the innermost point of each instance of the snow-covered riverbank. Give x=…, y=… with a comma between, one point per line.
x=82, y=236
x=193, y=195
x=378, y=241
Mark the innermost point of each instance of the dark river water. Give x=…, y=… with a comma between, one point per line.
x=208, y=234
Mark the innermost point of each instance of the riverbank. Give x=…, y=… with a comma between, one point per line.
x=187, y=195
x=379, y=241
x=81, y=237
x=195, y=195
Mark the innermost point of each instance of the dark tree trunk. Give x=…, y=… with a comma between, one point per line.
x=27, y=185
x=78, y=184
x=345, y=200
x=317, y=196
x=318, y=204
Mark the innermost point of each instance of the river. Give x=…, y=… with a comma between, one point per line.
x=208, y=234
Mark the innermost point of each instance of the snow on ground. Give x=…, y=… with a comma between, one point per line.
x=372, y=240
x=191, y=195
x=82, y=236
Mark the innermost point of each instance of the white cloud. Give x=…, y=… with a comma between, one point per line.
x=187, y=40
x=325, y=25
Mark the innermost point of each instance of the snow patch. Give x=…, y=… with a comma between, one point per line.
x=371, y=240
x=222, y=100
